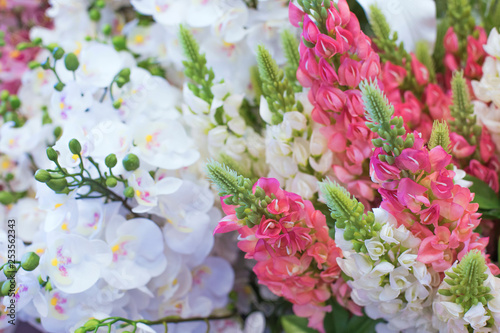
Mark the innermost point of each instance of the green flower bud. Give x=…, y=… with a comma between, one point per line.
x=121, y=81
x=9, y=177
x=6, y=287
x=33, y=64
x=4, y=95
x=80, y=330
x=125, y=73
x=58, y=53
x=57, y=184
x=110, y=160
x=6, y=198
x=128, y=192
x=117, y=104
x=106, y=30
x=46, y=64
x=9, y=271
x=119, y=42
x=91, y=324
x=95, y=14
x=74, y=146
x=59, y=86
x=52, y=46
x=100, y=3
x=57, y=132
x=23, y=46
x=131, y=162
x=37, y=41
x=14, y=101
x=30, y=261
x=71, y=62
x=42, y=176
x=111, y=182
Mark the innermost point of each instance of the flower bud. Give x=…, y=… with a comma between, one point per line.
x=74, y=146
x=33, y=64
x=6, y=198
x=58, y=53
x=9, y=176
x=128, y=192
x=80, y=330
x=4, y=95
x=91, y=324
x=119, y=42
x=106, y=30
x=100, y=4
x=110, y=160
x=46, y=64
x=59, y=86
x=111, y=182
x=14, y=101
x=121, y=81
x=42, y=176
x=9, y=271
x=57, y=184
x=131, y=162
x=22, y=46
x=52, y=46
x=125, y=73
x=6, y=287
x=37, y=41
x=57, y=132
x=117, y=104
x=95, y=14
x=71, y=62
x=30, y=261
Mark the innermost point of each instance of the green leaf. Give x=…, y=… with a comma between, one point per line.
x=295, y=324
x=484, y=194
x=341, y=321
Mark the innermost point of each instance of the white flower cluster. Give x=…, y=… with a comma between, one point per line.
x=100, y=258
x=388, y=280
x=229, y=29
x=228, y=135
x=487, y=105
x=296, y=151
x=450, y=317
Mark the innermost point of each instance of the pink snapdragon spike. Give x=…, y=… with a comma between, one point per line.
x=335, y=56
x=423, y=196
x=296, y=258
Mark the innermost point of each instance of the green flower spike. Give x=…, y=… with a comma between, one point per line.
x=196, y=67
x=251, y=206
x=291, y=50
x=463, y=111
x=459, y=16
x=440, y=136
x=467, y=282
x=276, y=88
x=389, y=129
x=349, y=215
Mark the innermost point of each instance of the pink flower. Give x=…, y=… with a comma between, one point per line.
x=333, y=20
x=382, y=171
x=473, y=70
x=430, y=216
x=412, y=195
x=295, y=15
x=450, y=41
x=443, y=185
x=344, y=37
x=413, y=160
x=475, y=49
x=393, y=75
x=349, y=73
x=330, y=98
x=327, y=47
x=450, y=62
x=371, y=67
x=345, y=13
x=460, y=147
x=310, y=31
x=486, y=145
x=268, y=228
x=327, y=72
x=419, y=70
x=314, y=313
x=487, y=175
x=355, y=104
x=439, y=158
x=432, y=248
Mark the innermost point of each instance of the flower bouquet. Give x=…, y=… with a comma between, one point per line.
x=250, y=166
